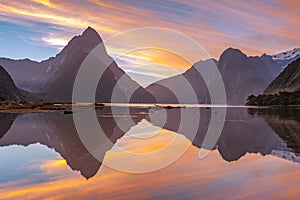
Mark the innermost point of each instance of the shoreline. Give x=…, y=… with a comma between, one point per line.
x=11, y=107
x=67, y=108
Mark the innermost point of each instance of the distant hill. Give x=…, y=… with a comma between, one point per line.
x=288, y=80
x=30, y=75
x=242, y=76
x=181, y=84
x=8, y=90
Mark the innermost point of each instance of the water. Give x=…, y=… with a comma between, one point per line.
x=256, y=156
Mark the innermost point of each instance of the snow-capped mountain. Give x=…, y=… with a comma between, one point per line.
x=286, y=57
x=288, y=80
x=287, y=155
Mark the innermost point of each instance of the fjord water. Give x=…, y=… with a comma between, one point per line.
x=257, y=155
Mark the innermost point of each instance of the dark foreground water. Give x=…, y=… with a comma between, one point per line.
x=257, y=156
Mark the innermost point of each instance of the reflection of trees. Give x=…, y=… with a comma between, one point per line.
x=285, y=122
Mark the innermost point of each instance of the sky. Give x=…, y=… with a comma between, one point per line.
x=38, y=29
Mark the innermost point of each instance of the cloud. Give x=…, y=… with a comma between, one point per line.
x=255, y=27
x=56, y=41
x=205, y=21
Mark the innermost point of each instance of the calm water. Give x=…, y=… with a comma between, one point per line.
x=257, y=156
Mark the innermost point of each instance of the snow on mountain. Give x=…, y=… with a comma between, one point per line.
x=288, y=55
x=287, y=155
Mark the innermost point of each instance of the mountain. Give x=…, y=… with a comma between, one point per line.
x=273, y=67
x=165, y=90
x=286, y=57
x=53, y=79
x=8, y=89
x=277, y=62
x=288, y=80
x=242, y=76
x=30, y=75
x=60, y=86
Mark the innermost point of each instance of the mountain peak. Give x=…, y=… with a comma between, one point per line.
x=232, y=53
x=233, y=50
x=205, y=63
x=89, y=30
x=91, y=34
x=88, y=40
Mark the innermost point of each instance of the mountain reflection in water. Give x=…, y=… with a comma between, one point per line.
x=273, y=132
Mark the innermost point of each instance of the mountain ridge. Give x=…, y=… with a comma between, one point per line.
x=60, y=86
x=53, y=79
x=8, y=89
x=242, y=75
x=288, y=80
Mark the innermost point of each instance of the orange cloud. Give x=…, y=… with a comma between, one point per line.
x=112, y=17
x=159, y=56
x=45, y=3
x=53, y=166
x=255, y=27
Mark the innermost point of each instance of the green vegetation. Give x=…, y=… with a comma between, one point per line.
x=281, y=98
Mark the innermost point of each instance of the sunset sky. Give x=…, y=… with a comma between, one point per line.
x=38, y=29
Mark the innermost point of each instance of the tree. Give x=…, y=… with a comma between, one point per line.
x=281, y=98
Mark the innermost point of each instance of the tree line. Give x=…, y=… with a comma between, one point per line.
x=281, y=98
